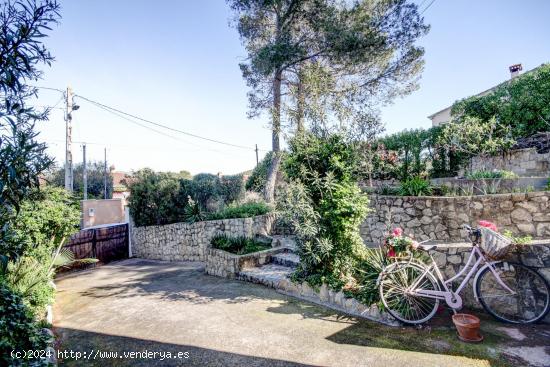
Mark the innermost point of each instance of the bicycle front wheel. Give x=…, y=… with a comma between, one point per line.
x=530, y=297
x=397, y=295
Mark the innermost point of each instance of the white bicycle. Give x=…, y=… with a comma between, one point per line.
x=411, y=290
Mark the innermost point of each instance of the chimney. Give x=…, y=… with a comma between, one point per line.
x=514, y=70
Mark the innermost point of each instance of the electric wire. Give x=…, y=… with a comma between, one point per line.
x=119, y=112
x=164, y=126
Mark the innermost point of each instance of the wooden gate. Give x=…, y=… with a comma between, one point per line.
x=106, y=243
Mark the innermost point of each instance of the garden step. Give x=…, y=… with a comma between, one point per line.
x=285, y=241
x=269, y=275
x=286, y=259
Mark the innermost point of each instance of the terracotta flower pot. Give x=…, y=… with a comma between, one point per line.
x=468, y=327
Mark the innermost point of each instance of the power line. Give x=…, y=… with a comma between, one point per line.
x=164, y=126
x=155, y=130
x=125, y=115
x=48, y=88
x=426, y=8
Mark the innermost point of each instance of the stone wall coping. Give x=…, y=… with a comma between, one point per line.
x=249, y=255
x=541, y=242
x=484, y=179
x=528, y=194
x=206, y=221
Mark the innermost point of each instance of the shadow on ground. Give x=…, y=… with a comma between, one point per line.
x=103, y=344
x=183, y=287
x=181, y=282
x=440, y=337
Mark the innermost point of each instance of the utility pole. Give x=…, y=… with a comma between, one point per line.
x=68, y=140
x=84, y=172
x=257, y=162
x=105, y=175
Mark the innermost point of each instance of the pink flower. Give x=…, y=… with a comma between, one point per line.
x=391, y=252
x=487, y=224
x=397, y=232
x=415, y=245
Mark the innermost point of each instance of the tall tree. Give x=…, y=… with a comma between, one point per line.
x=22, y=53
x=334, y=62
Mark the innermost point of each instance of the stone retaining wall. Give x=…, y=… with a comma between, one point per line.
x=524, y=162
x=227, y=265
x=191, y=241
x=441, y=218
x=327, y=297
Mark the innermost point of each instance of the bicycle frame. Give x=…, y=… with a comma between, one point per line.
x=452, y=297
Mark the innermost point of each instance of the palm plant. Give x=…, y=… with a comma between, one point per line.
x=27, y=275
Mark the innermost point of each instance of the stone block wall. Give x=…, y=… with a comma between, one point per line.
x=227, y=265
x=441, y=218
x=191, y=241
x=524, y=162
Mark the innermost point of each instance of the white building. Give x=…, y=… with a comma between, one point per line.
x=444, y=115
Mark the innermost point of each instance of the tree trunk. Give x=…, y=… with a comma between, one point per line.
x=301, y=101
x=271, y=181
x=276, y=115
x=269, y=191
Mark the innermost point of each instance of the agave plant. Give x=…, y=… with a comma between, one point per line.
x=193, y=212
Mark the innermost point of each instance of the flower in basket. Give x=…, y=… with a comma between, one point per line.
x=487, y=224
x=397, y=243
x=397, y=232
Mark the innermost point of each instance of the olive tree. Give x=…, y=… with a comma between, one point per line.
x=22, y=53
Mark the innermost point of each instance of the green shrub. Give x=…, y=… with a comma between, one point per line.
x=231, y=188
x=204, y=188
x=486, y=174
x=548, y=185
x=520, y=105
x=238, y=245
x=367, y=270
x=388, y=190
x=46, y=217
x=415, y=186
x=256, y=180
x=241, y=211
x=409, y=146
x=18, y=330
x=324, y=205
x=154, y=198
x=517, y=240
x=162, y=198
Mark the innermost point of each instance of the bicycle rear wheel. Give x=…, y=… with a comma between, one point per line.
x=395, y=293
x=529, y=302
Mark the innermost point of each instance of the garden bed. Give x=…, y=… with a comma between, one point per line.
x=238, y=245
x=227, y=265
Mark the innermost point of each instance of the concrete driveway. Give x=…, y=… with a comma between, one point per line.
x=145, y=306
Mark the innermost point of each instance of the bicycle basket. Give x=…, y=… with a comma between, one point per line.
x=494, y=244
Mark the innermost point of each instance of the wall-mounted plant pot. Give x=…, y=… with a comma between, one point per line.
x=468, y=327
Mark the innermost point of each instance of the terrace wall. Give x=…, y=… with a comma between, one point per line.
x=441, y=218
x=524, y=162
x=191, y=241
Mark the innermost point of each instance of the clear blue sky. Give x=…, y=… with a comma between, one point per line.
x=176, y=62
